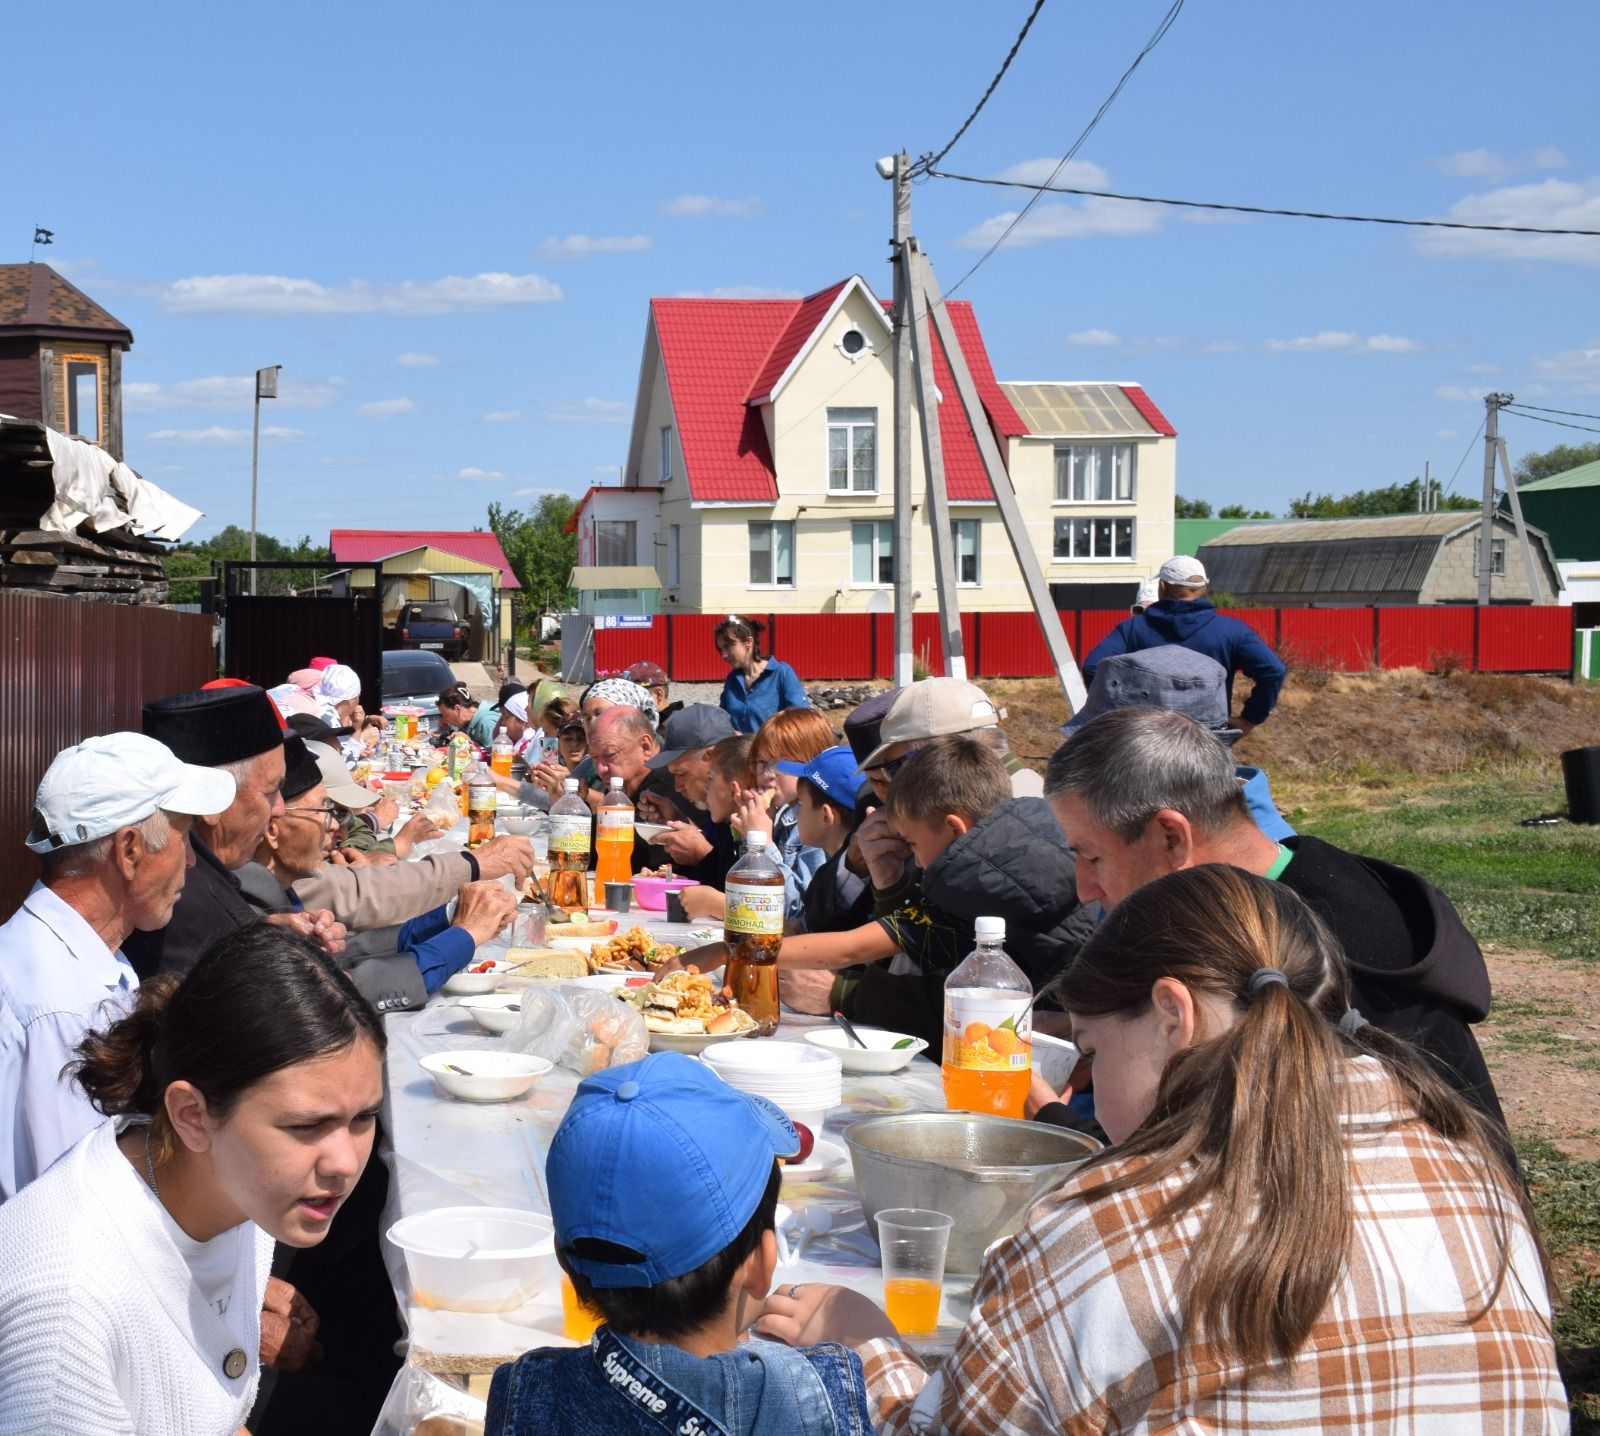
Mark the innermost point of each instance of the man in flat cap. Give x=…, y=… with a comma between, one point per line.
x=110, y=824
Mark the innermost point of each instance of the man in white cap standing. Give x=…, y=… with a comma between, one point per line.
x=1185, y=616
x=111, y=827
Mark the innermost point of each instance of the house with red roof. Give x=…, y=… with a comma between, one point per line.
x=760, y=469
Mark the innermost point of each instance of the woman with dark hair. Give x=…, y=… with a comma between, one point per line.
x=1299, y=1227
x=757, y=687
x=132, y=1273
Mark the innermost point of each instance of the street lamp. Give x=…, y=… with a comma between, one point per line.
x=266, y=388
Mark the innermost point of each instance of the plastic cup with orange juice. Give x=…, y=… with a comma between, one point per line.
x=913, y=1243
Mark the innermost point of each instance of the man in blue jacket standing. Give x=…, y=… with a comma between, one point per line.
x=1186, y=617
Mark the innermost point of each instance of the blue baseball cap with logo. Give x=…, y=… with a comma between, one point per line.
x=833, y=771
x=664, y=1158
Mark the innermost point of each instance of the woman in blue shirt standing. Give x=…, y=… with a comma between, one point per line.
x=757, y=687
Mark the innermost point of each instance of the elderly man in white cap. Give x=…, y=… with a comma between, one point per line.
x=1185, y=616
x=111, y=827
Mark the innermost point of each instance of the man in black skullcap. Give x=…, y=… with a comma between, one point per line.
x=236, y=728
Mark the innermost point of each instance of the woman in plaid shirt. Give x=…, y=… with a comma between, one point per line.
x=1298, y=1229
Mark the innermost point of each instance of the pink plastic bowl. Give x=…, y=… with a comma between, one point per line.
x=652, y=893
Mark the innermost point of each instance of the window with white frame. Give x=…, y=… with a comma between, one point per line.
x=674, y=554
x=852, y=451
x=772, y=554
x=967, y=537
x=616, y=541
x=1093, y=538
x=83, y=399
x=666, y=452
x=1095, y=473
x=1497, y=557
x=872, y=552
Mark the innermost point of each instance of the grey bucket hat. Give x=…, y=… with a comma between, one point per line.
x=1170, y=677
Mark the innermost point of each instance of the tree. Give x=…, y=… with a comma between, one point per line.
x=1238, y=511
x=1371, y=503
x=1191, y=508
x=189, y=561
x=540, y=553
x=1555, y=461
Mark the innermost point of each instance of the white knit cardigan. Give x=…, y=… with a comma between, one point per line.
x=102, y=1332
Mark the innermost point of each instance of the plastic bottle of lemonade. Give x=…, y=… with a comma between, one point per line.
x=480, y=805
x=988, y=1027
x=614, y=838
x=752, y=928
x=501, y=755
x=569, y=849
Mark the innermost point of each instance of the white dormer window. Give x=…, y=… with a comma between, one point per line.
x=852, y=451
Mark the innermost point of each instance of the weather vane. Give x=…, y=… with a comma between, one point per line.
x=41, y=235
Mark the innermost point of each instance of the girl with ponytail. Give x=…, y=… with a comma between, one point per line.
x=242, y=1100
x=1298, y=1227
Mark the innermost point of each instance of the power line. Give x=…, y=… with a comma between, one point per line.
x=1048, y=188
x=1570, y=413
x=1539, y=419
x=1077, y=144
x=1471, y=444
x=928, y=161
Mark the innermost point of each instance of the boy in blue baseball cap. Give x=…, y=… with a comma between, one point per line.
x=663, y=1184
x=827, y=791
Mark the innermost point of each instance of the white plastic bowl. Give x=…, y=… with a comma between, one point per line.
x=879, y=1055
x=475, y=1258
x=484, y=1076
x=1054, y=1058
x=693, y=1043
x=779, y=1063
x=495, y=1011
x=474, y=984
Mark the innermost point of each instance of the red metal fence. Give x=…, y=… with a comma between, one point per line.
x=825, y=646
x=70, y=669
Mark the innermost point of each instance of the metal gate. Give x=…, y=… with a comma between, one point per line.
x=265, y=637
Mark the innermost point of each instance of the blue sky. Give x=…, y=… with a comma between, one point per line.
x=446, y=223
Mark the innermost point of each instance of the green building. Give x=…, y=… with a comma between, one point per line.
x=1567, y=507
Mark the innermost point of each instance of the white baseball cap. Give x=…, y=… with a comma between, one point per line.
x=112, y=781
x=932, y=708
x=1149, y=592
x=342, y=788
x=1180, y=568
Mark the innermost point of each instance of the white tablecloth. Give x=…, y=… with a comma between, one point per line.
x=448, y=1153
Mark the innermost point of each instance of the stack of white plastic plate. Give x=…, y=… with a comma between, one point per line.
x=804, y=1081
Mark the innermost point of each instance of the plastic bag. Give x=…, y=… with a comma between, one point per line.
x=423, y=1404
x=580, y=1029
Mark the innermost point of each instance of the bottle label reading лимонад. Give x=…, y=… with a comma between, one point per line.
x=756, y=911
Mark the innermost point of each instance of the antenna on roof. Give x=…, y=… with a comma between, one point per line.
x=41, y=236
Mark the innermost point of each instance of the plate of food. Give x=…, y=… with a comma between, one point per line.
x=685, y=1012
x=636, y=950
x=477, y=978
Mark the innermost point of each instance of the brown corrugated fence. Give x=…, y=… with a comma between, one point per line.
x=69, y=669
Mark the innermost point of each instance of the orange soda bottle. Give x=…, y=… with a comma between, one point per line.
x=988, y=1028
x=613, y=838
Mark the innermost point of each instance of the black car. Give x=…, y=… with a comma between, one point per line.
x=416, y=679
x=432, y=625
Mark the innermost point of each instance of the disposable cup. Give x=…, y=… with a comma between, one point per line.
x=913, y=1242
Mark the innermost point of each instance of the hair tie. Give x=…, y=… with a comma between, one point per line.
x=1264, y=977
x=1351, y=1023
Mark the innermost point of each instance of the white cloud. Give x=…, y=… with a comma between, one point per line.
x=1491, y=165
x=1092, y=338
x=1578, y=369
x=1549, y=204
x=387, y=408
x=1459, y=393
x=1080, y=174
x=502, y=416
x=220, y=393
x=488, y=475
x=1331, y=340
x=702, y=206
x=581, y=246
x=219, y=437
x=416, y=361
x=587, y=411
x=738, y=291
x=1445, y=434
x=1058, y=219
x=535, y=493
x=274, y=294
x=1222, y=346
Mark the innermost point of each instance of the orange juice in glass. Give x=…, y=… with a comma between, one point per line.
x=578, y=1321
x=912, y=1304
x=913, y=1242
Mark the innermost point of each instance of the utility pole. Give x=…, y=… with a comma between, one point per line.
x=904, y=649
x=1491, y=434
x=266, y=388
x=1516, y=518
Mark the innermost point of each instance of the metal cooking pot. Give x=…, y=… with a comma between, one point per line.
x=983, y=1171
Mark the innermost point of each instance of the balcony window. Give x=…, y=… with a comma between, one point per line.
x=1095, y=473
x=616, y=541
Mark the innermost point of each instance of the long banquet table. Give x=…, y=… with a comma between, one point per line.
x=448, y=1153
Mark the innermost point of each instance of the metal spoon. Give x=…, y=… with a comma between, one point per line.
x=850, y=1031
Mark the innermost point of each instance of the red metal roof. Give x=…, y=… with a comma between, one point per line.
x=712, y=349
x=1148, y=411
x=812, y=310
x=721, y=353
x=357, y=546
